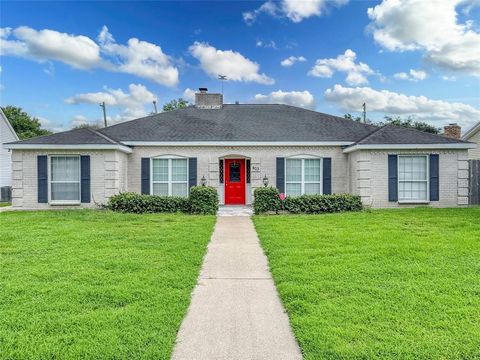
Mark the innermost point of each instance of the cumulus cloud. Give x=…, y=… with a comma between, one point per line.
x=294, y=10
x=357, y=73
x=296, y=98
x=235, y=65
x=137, y=57
x=351, y=99
x=189, y=95
x=292, y=60
x=429, y=26
x=131, y=104
x=412, y=75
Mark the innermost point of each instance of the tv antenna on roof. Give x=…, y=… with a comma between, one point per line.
x=102, y=105
x=222, y=78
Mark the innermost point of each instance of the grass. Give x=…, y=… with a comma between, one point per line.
x=380, y=284
x=96, y=285
x=3, y=204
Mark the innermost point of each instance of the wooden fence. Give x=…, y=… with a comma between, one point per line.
x=474, y=182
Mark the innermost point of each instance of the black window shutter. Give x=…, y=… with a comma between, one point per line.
x=145, y=175
x=220, y=169
x=192, y=172
x=392, y=178
x=434, y=178
x=42, y=178
x=327, y=176
x=248, y=171
x=85, y=178
x=281, y=174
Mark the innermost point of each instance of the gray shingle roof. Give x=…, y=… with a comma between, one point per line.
x=243, y=123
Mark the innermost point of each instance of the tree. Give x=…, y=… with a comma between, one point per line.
x=24, y=125
x=87, y=126
x=409, y=123
x=349, y=116
x=176, y=104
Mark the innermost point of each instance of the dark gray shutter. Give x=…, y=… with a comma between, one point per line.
x=327, y=176
x=392, y=178
x=85, y=178
x=145, y=176
x=192, y=172
x=281, y=174
x=434, y=178
x=42, y=178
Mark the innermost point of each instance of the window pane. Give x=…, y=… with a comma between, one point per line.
x=160, y=170
x=294, y=170
x=160, y=189
x=312, y=169
x=294, y=189
x=65, y=191
x=412, y=168
x=412, y=190
x=179, y=169
x=312, y=189
x=179, y=190
x=65, y=168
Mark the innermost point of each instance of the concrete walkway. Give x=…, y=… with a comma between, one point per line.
x=235, y=311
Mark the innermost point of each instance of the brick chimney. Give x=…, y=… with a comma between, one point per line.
x=453, y=131
x=206, y=100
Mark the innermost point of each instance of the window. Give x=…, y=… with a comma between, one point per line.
x=303, y=176
x=413, y=178
x=170, y=177
x=64, y=178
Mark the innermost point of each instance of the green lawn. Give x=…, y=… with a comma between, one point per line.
x=96, y=285
x=396, y=284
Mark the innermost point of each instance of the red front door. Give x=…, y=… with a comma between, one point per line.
x=235, y=181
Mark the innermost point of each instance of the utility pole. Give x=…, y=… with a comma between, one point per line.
x=102, y=105
x=222, y=78
x=364, y=113
x=155, y=106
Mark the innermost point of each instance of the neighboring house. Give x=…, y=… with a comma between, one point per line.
x=473, y=135
x=233, y=148
x=7, y=134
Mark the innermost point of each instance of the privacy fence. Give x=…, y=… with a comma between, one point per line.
x=474, y=182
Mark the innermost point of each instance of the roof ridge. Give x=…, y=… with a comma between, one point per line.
x=370, y=134
x=103, y=136
x=441, y=136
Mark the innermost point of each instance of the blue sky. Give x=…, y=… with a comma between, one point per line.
x=405, y=57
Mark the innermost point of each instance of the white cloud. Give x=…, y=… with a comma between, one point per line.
x=76, y=50
x=413, y=75
x=79, y=120
x=231, y=63
x=430, y=26
x=421, y=107
x=296, y=98
x=357, y=73
x=294, y=10
x=139, y=58
x=189, y=95
x=132, y=104
x=292, y=60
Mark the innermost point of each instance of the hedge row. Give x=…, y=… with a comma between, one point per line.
x=202, y=200
x=268, y=200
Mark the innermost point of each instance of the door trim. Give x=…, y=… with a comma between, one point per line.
x=241, y=159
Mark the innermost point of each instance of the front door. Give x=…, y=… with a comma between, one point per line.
x=234, y=181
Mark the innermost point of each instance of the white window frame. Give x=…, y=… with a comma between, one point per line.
x=169, y=181
x=50, y=181
x=427, y=172
x=302, y=181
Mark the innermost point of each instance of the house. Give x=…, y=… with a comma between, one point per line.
x=7, y=134
x=473, y=135
x=236, y=148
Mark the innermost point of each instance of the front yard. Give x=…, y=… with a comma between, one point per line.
x=96, y=285
x=380, y=284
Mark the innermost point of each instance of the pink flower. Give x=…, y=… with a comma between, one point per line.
x=282, y=196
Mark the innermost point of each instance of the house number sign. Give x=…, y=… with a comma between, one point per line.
x=255, y=168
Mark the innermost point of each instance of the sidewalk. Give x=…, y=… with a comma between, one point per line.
x=235, y=311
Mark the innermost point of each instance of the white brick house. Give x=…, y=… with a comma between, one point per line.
x=235, y=148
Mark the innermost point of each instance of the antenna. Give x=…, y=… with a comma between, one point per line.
x=102, y=105
x=155, y=106
x=364, y=113
x=222, y=78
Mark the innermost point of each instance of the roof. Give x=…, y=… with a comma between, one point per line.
x=240, y=124
x=475, y=128
x=4, y=117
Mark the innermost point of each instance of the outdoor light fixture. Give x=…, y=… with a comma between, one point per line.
x=203, y=181
x=265, y=180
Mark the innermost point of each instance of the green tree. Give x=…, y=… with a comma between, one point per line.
x=24, y=125
x=176, y=104
x=409, y=123
x=349, y=116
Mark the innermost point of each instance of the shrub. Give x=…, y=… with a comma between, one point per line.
x=317, y=204
x=203, y=200
x=266, y=199
x=138, y=203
